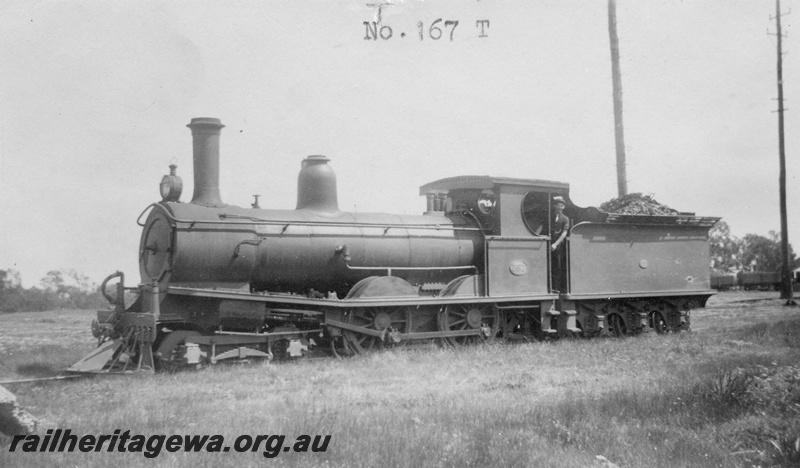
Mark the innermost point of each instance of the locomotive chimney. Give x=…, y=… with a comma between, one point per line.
x=205, y=148
x=316, y=186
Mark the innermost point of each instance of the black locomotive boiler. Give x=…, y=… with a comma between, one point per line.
x=226, y=282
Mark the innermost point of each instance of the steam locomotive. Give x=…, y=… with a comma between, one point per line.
x=225, y=282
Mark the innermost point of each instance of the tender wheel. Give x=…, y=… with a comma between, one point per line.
x=170, y=352
x=393, y=319
x=659, y=323
x=616, y=325
x=485, y=317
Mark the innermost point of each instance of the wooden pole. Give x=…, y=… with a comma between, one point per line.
x=619, y=135
x=786, y=267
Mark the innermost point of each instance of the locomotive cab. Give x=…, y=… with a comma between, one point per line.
x=515, y=215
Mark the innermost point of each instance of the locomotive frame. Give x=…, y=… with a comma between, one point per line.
x=223, y=282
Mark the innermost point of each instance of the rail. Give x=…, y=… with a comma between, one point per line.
x=42, y=379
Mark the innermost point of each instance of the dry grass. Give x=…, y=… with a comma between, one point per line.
x=674, y=400
x=42, y=344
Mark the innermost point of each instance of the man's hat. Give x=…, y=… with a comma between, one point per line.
x=559, y=200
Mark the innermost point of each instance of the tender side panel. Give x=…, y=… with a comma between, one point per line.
x=629, y=258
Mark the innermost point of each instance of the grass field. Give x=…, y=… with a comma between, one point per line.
x=726, y=394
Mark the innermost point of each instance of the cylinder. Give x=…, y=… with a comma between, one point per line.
x=205, y=150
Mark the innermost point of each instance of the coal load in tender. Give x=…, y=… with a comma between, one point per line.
x=637, y=204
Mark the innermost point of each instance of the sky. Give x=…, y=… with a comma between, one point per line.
x=95, y=97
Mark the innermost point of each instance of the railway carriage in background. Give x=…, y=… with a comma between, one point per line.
x=764, y=280
x=748, y=280
x=226, y=282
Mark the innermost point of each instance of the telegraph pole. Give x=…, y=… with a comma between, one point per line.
x=786, y=267
x=619, y=135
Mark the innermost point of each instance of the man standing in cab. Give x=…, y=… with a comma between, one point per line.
x=559, y=228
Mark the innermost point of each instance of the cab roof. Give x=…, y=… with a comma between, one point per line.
x=488, y=182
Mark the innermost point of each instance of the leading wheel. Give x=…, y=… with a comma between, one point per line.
x=171, y=350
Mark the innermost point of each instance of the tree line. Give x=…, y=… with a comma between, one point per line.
x=750, y=253
x=59, y=289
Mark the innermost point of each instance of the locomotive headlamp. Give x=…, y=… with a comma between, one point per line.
x=171, y=185
x=486, y=202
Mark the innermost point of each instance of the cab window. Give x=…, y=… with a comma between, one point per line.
x=536, y=212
